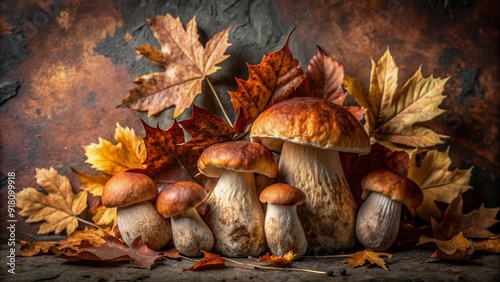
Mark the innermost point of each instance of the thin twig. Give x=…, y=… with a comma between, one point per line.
x=218, y=101
x=276, y=268
x=90, y=223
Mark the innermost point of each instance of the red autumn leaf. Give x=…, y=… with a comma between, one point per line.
x=210, y=261
x=283, y=260
x=173, y=253
x=243, y=120
x=269, y=82
x=113, y=250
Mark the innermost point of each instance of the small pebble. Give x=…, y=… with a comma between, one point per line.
x=343, y=272
x=329, y=273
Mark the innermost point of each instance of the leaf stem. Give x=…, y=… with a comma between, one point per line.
x=276, y=268
x=219, y=102
x=90, y=223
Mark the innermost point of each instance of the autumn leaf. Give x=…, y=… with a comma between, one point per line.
x=268, y=83
x=437, y=182
x=362, y=257
x=113, y=250
x=457, y=248
x=474, y=224
x=92, y=183
x=187, y=63
x=283, y=260
x=173, y=253
x=128, y=153
x=58, y=208
x=209, y=261
x=102, y=216
x=489, y=245
x=392, y=113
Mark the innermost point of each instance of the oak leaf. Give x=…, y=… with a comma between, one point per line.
x=437, y=182
x=186, y=61
x=58, y=208
x=361, y=257
x=392, y=113
x=474, y=224
x=209, y=261
x=457, y=248
x=128, y=153
x=283, y=260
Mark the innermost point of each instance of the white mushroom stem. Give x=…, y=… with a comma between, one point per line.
x=284, y=231
x=329, y=213
x=143, y=220
x=235, y=216
x=377, y=223
x=190, y=233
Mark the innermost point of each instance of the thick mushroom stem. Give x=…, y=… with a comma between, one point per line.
x=235, y=216
x=143, y=220
x=377, y=222
x=190, y=233
x=329, y=212
x=284, y=232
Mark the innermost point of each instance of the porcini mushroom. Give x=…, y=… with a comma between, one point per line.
x=190, y=233
x=283, y=229
x=234, y=213
x=130, y=193
x=309, y=133
x=377, y=222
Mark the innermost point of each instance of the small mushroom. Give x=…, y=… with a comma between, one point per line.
x=190, y=234
x=130, y=193
x=377, y=222
x=309, y=133
x=283, y=230
x=234, y=213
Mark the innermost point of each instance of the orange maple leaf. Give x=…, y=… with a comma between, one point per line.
x=360, y=258
x=186, y=61
x=283, y=260
x=457, y=248
x=209, y=261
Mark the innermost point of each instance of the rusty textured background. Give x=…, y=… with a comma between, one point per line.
x=65, y=65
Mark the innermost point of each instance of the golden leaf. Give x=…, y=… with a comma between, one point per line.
x=457, y=248
x=491, y=245
x=103, y=216
x=360, y=258
x=392, y=113
x=437, y=182
x=92, y=183
x=283, y=260
x=186, y=61
x=128, y=153
x=58, y=208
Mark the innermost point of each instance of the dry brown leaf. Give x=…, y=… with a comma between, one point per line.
x=457, y=248
x=209, y=261
x=474, y=224
x=437, y=182
x=392, y=113
x=173, y=253
x=58, y=209
x=283, y=260
x=187, y=64
x=488, y=245
x=128, y=153
x=360, y=258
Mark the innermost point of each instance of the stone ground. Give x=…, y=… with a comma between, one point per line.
x=407, y=264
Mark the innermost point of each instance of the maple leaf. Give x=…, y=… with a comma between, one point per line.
x=92, y=183
x=457, y=248
x=58, y=209
x=113, y=250
x=209, y=261
x=473, y=225
x=268, y=83
x=103, y=216
x=490, y=245
x=283, y=260
x=128, y=153
x=173, y=253
x=437, y=182
x=360, y=258
x=186, y=61
x=392, y=113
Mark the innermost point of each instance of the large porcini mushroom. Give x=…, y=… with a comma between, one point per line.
x=234, y=213
x=377, y=222
x=309, y=133
x=130, y=193
x=190, y=233
x=283, y=229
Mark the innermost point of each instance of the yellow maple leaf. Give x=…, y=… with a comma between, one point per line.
x=437, y=182
x=187, y=64
x=92, y=183
x=103, y=216
x=392, y=113
x=457, y=248
x=360, y=258
x=128, y=153
x=58, y=208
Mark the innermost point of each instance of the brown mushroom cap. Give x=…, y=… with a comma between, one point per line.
x=393, y=186
x=282, y=194
x=240, y=156
x=180, y=197
x=127, y=188
x=312, y=122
